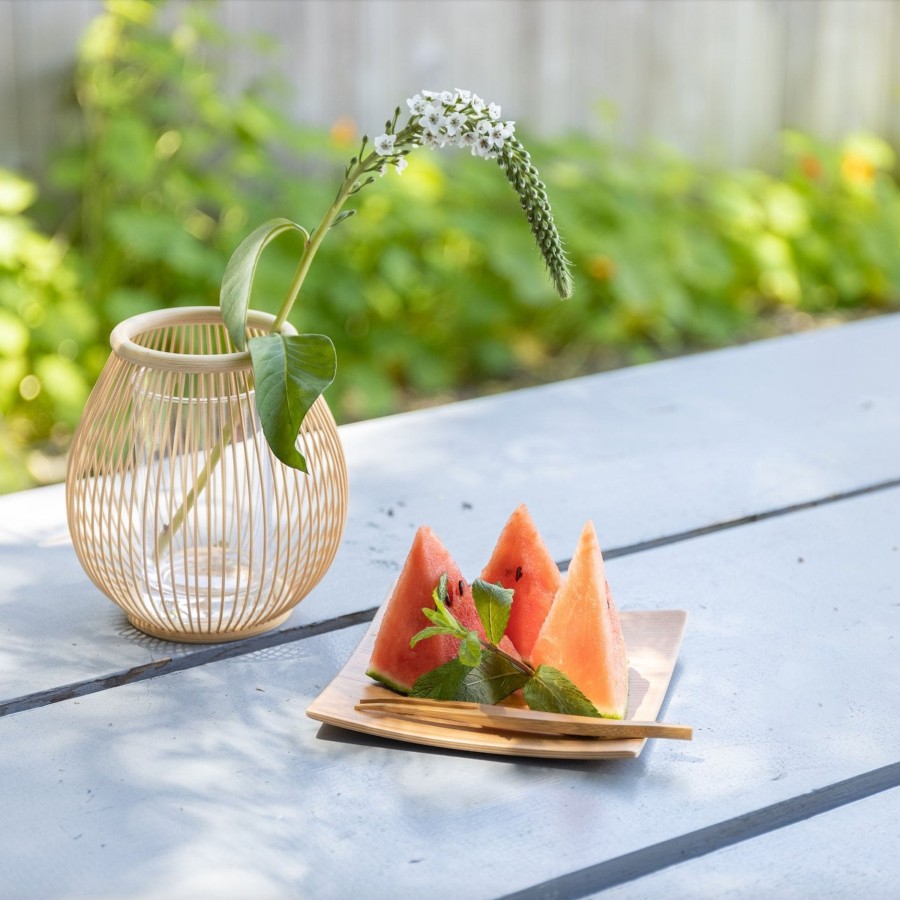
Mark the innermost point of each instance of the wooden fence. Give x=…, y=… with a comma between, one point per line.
x=718, y=79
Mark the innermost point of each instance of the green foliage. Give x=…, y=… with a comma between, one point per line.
x=433, y=290
x=166, y=171
x=48, y=343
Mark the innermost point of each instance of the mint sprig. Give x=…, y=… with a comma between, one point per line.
x=484, y=673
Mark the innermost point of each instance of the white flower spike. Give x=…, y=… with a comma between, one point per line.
x=462, y=119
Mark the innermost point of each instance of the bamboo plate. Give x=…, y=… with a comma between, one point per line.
x=652, y=638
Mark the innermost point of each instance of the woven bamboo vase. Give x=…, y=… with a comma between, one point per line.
x=177, y=508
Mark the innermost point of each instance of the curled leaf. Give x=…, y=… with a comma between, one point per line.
x=237, y=282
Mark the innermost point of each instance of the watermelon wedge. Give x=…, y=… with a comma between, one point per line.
x=521, y=561
x=581, y=635
x=393, y=662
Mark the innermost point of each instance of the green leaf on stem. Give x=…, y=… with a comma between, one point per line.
x=290, y=371
x=237, y=282
x=493, y=602
x=550, y=691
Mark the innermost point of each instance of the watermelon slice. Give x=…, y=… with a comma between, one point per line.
x=521, y=561
x=581, y=635
x=393, y=662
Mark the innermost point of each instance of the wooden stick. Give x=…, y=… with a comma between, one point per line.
x=507, y=718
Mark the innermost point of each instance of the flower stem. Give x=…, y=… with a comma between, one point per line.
x=318, y=235
x=165, y=536
x=350, y=185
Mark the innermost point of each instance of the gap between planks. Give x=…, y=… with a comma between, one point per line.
x=592, y=880
x=217, y=652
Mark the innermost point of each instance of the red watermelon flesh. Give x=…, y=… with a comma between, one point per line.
x=393, y=661
x=581, y=635
x=521, y=561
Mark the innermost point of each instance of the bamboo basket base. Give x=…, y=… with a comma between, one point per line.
x=206, y=637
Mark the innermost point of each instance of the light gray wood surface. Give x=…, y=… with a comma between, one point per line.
x=842, y=854
x=212, y=782
x=647, y=453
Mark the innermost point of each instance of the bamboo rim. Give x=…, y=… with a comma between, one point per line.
x=122, y=339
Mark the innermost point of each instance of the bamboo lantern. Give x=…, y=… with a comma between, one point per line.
x=178, y=510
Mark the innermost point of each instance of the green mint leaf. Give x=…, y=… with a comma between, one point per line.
x=440, y=597
x=433, y=631
x=494, y=678
x=438, y=619
x=550, y=691
x=442, y=683
x=493, y=602
x=237, y=282
x=470, y=650
x=290, y=371
x=444, y=622
x=441, y=614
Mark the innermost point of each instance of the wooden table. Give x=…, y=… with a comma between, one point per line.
x=758, y=488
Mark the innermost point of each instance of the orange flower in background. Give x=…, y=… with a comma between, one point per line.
x=857, y=169
x=343, y=131
x=811, y=167
x=601, y=268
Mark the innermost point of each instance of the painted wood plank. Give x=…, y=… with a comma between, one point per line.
x=848, y=852
x=645, y=452
x=213, y=781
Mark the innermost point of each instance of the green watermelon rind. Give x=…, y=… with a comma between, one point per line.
x=387, y=682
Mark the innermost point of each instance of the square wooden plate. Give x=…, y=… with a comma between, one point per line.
x=652, y=639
